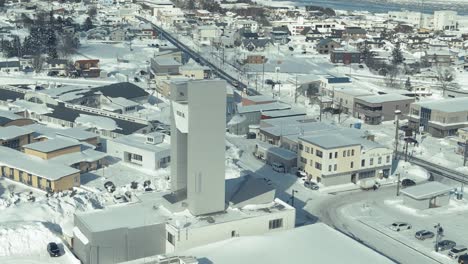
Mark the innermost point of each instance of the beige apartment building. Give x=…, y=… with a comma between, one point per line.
x=334, y=158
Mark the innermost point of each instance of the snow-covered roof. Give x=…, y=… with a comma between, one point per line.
x=352, y=91
x=87, y=155
x=277, y=151
x=427, y=190
x=34, y=165
x=378, y=99
x=76, y=133
x=9, y=115
x=447, y=105
x=10, y=132
x=262, y=107
x=290, y=246
x=139, y=141
x=330, y=140
x=51, y=145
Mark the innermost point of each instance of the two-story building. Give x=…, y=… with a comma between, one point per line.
x=373, y=109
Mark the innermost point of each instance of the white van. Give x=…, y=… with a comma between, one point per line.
x=278, y=167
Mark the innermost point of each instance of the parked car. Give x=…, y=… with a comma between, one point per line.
x=118, y=198
x=446, y=245
x=407, y=183
x=109, y=186
x=251, y=135
x=424, y=234
x=311, y=185
x=397, y=226
x=457, y=251
x=53, y=249
x=269, y=81
x=300, y=173
x=463, y=259
x=278, y=167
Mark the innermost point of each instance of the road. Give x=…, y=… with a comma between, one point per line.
x=200, y=59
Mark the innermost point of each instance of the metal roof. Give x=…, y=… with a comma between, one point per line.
x=34, y=165
x=447, y=105
x=10, y=132
x=6, y=95
x=330, y=140
x=262, y=107
x=76, y=133
x=427, y=190
x=377, y=99
x=51, y=145
x=124, y=89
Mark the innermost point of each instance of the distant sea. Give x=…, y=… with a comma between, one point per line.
x=382, y=6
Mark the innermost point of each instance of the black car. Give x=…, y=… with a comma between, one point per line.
x=269, y=81
x=53, y=249
x=407, y=183
x=251, y=135
x=109, y=186
x=463, y=259
x=446, y=245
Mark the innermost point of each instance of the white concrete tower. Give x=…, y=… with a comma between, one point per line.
x=198, y=144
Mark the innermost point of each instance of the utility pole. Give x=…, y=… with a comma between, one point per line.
x=397, y=126
x=398, y=185
x=263, y=74
x=292, y=197
x=439, y=234
x=465, y=153
x=295, y=91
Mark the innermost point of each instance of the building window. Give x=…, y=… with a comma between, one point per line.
x=352, y=152
x=330, y=155
x=318, y=166
x=319, y=153
x=329, y=167
x=303, y=160
x=233, y=233
x=348, y=153
x=344, y=153
x=137, y=157
x=352, y=164
x=77, y=179
x=170, y=238
x=307, y=149
x=301, y=147
x=274, y=224
x=379, y=160
x=311, y=163
x=335, y=167
x=388, y=158
x=336, y=154
x=371, y=161
x=363, y=163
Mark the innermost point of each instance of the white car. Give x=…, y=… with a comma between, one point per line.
x=398, y=226
x=457, y=251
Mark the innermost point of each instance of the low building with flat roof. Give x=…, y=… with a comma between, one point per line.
x=51, y=148
x=272, y=154
x=15, y=137
x=373, y=109
x=427, y=195
x=36, y=172
x=439, y=118
x=11, y=119
x=151, y=151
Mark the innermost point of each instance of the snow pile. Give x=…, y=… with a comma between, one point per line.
x=24, y=239
x=39, y=109
x=233, y=154
x=454, y=207
x=98, y=122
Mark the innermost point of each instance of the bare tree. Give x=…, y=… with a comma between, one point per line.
x=92, y=11
x=38, y=63
x=68, y=45
x=445, y=76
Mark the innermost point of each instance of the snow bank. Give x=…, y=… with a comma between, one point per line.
x=24, y=239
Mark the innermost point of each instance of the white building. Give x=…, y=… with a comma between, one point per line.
x=416, y=19
x=445, y=20
x=151, y=151
x=250, y=25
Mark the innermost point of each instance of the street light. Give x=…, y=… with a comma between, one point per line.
x=292, y=197
x=397, y=126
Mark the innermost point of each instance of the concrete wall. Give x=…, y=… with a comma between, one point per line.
x=117, y=245
x=193, y=237
x=150, y=160
x=207, y=127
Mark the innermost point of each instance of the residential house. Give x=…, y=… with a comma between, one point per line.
x=10, y=66
x=118, y=34
x=354, y=33
x=87, y=68
x=57, y=67
x=195, y=71
x=256, y=44
x=165, y=66
x=325, y=46
x=373, y=109
x=280, y=35
x=345, y=56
